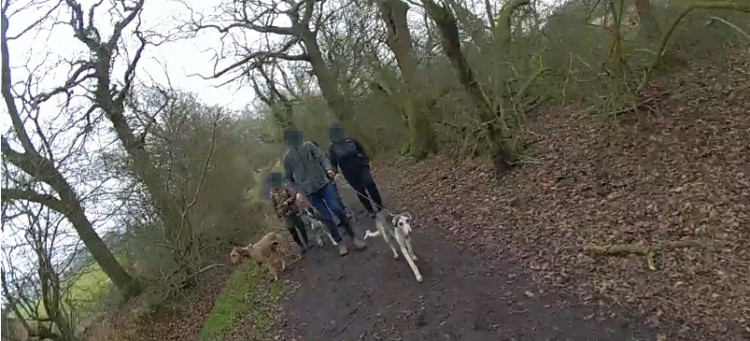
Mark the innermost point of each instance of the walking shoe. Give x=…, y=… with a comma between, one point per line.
x=343, y=250
x=359, y=244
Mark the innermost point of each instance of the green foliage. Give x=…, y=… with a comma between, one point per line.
x=247, y=298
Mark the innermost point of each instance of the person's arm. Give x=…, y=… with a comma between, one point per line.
x=275, y=205
x=321, y=158
x=361, y=149
x=334, y=160
x=289, y=174
x=291, y=193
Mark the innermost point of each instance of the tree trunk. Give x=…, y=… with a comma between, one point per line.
x=142, y=166
x=503, y=28
x=69, y=205
x=421, y=135
x=648, y=27
x=446, y=23
x=32, y=163
x=111, y=101
x=616, y=59
x=328, y=86
x=472, y=24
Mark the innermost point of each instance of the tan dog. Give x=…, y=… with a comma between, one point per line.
x=264, y=252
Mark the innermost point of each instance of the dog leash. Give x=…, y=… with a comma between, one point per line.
x=347, y=185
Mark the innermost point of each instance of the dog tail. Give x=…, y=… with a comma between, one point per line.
x=369, y=234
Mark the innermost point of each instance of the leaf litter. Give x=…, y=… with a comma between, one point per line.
x=680, y=171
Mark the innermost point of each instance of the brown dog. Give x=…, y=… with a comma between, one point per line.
x=263, y=252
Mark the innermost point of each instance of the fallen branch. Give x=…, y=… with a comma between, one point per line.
x=625, y=249
x=649, y=251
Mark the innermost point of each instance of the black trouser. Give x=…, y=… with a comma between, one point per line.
x=360, y=178
x=296, y=227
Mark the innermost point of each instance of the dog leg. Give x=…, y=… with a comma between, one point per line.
x=331, y=238
x=319, y=237
x=390, y=244
x=272, y=271
x=410, y=249
x=405, y=252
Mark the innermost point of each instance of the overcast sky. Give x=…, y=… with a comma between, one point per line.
x=181, y=58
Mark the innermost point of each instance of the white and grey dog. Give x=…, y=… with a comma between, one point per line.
x=317, y=226
x=398, y=227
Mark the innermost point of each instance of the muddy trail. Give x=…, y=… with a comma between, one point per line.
x=367, y=295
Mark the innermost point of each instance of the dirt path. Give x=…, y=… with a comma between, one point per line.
x=369, y=296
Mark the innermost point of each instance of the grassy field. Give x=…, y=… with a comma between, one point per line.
x=87, y=288
x=247, y=298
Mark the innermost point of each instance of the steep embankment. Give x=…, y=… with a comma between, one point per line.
x=680, y=171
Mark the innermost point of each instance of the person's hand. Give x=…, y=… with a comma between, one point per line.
x=331, y=174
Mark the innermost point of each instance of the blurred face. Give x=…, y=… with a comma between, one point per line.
x=293, y=137
x=336, y=132
x=274, y=179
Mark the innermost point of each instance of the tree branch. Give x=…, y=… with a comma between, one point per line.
x=130, y=72
x=260, y=57
x=10, y=194
x=5, y=89
x=698, y=5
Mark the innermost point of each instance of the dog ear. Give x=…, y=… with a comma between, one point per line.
x=394, y=219
x=243, y=251
x=407, y=214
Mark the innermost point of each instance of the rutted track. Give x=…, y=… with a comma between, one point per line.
x=369, y=296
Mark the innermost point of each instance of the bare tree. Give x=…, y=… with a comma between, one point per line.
x=494, y=134
x=421, y=136
x=110, y=99
x=42, y=168
x=280, y=104
x=259, y=16
x=36, y=290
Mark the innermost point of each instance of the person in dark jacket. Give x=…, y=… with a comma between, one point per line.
x=284, y=204
x=348, y=154
x=308, y=171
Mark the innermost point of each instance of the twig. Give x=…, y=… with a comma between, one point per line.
x=350, y=321
x=203, y=174
x=567, y=77
x=206, y=269
x=735, y=27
